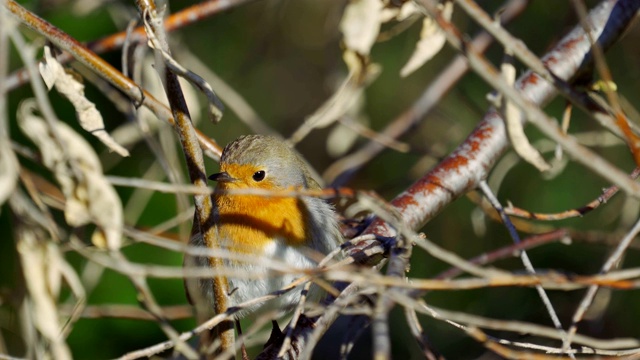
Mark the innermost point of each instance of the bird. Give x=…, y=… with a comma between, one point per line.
x=292, y=230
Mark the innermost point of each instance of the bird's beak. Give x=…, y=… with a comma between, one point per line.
x=222, y=177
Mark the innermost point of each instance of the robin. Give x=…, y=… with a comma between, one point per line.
x=287, y=229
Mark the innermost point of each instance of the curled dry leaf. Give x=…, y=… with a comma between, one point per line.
x=331, y=110
x=515, y=129
x=360, y=24
x=89, y=196
x=89, y=117
x=408, y=9
x=522, y=146
x=431, y=41
x=42, y=279
x=402, y=13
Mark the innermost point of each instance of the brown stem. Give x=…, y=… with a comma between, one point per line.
x=195, y=164
x=104, y=69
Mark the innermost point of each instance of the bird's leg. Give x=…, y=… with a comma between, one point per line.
x=276, y=334
x=243, y=349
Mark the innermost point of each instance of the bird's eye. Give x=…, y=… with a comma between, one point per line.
x=259, y=175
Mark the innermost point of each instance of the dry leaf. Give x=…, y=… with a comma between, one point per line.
x=343, y=99
x=360, y=24
x=432, y=39
x=89, y=196
x=331, y=110
x=89, y=117
x=402, y=13
x=42, y=291
x=408, y=9
x=519, y=141
x=389, y=13
x=515, y=129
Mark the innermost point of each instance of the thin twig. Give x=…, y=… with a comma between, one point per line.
x=339, y=173
x=508, y=251
x=104, y=69
x=631, y=137
x=542, y=69
x=532, y=112
x=607, y=194
x=591, y=292
x=194, y=159
x=524, y=257
x=176, y=21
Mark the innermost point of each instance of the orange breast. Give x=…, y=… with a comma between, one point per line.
x=248, y=222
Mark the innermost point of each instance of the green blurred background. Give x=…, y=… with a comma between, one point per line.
x=284, y=58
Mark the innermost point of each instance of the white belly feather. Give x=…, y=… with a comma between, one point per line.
x=264, y=280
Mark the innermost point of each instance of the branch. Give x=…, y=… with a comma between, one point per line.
x=471, y=162
x=339, y=173
x=103, y=69
x=185, y=17
x=204, y=219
